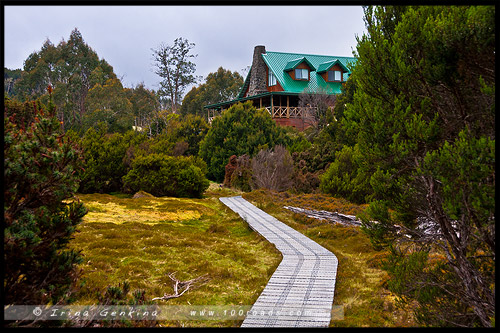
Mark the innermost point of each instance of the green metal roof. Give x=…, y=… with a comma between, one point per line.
x=279, y=61
x=245, y=84
x=294, y=63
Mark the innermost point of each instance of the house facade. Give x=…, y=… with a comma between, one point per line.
x=277, y=80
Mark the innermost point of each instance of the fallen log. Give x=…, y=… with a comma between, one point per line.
x=335, y=217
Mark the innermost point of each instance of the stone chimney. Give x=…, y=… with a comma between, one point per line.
x=258, y=76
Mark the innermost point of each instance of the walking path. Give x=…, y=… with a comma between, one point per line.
x=300, y=292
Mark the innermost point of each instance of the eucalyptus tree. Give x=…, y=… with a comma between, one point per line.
x=173, y=65
x=71, y=68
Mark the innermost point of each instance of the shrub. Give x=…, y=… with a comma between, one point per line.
x=163, y=175
x=230, y=167
x=241, y=129
x=343, y=177
x=106, y=158
x=241, y=178
x=273, y=169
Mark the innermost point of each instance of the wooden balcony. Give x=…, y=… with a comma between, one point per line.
x=278, y=112
x=291, y=111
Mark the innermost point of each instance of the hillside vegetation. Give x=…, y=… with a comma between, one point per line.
x=142, y=240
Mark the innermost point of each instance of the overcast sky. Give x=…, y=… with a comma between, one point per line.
x=223, y=35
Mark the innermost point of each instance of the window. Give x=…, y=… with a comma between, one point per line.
x=301, y=74
x=338, y=76
x=271, y=79
x=334, y=76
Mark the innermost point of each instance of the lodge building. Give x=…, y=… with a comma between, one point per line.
x=277, y=79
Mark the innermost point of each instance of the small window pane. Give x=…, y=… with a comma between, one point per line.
x=301, y=74
x=298, y=74
x=338, y=76
x=271, y=79
x=330, y=76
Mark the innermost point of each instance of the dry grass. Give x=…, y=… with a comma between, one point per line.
x=142, y=240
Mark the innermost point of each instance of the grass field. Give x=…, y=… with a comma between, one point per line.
x=143, y=240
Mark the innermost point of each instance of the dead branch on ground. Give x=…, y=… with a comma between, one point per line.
x=180, y=287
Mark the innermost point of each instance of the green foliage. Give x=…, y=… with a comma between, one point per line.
x=422, y=277
x=421, y=121
x=377, y=223
x=105, y=162
x=72, y=68
x=343, y=177
x=9, y=80
x=144, y=103
x=219, y=86
x=21, y=114
x=163, y=175
x=39, y=168
x=190, y=129
x=241, y=178
x=242, y=129
x=108, y=103
x=466, y=170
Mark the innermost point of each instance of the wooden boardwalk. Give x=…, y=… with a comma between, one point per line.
x=300, y=292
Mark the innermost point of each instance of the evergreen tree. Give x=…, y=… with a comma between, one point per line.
x=219, y=86
x=422, y=116
x=242, y=129
x=39, y=176
x=72, y=68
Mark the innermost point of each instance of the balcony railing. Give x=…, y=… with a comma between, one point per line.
x=278, y=112
x=291, y=111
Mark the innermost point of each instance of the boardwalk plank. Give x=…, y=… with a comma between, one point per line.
x=300, y=292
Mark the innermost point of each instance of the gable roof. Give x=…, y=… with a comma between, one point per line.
x=294, y=63
x=279, y=62
x=324, y=67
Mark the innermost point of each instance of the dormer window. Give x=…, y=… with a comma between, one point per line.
x=301, y=74
x=299, y=69
x=332, y=71
x=334, y=76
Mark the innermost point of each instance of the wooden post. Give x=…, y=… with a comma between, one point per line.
x=272, y=107
x=261, y=103
x=288, y=106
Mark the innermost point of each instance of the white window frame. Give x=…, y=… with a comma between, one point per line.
x=337, y=75
x=302, y=71
x=271, y=79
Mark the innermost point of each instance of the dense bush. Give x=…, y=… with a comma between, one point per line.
x=187, y=132
x=163, y=175
x=106, y=158
x=39, y=175
x=343, y=177
x=241, y=178
x=242, y=129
